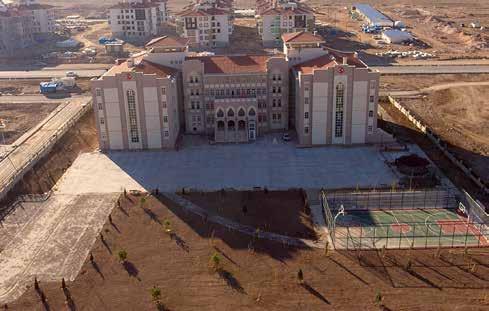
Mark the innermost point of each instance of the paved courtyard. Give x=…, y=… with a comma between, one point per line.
x=268, y=163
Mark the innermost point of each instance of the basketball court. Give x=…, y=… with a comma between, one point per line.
x=360, y=222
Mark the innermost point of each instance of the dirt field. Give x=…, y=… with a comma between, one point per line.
x=461, y=117
x=416, y=82
x=436, y=25
x=21, y=117
x=261, y=278
x=31, y=86
x=393, y=121
x=282, y=212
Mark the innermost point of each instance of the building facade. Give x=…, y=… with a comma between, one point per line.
x=328, y=97
x=22, y=24
x=235, y=98
x=335, y=94
x=276, y=17
x=137, y=20
x=136, y=106
x=207, y=24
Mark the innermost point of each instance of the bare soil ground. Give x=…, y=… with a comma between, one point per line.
x=263, y=277
x=31, y=86
x=437, y=25
x=416, y=82
x=393, y=121
x=282, y=212
x=81, y=138
x=21, y=117
x=460, y=116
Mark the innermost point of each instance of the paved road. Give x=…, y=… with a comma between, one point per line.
x=34, y=143
x=441, y=69
x=48, y=74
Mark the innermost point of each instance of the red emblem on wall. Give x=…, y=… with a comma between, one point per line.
x=341, y=70
x=129, y=76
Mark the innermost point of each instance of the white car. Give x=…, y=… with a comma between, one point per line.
x=71, y=74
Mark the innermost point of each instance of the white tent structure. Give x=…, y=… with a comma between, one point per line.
x=396, y=36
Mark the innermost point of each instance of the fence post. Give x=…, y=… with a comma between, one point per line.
x=387, y=237
x=453, y=235
x=361, y=234
x=414, y=231
x=400, y=237
x=439, y=236
x=426, y=235
x=466, y=234
x=424, y=203
x=375, y=236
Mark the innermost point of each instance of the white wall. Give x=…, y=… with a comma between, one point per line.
x=113, y=118
x=359, y=112
x=152, y=116
x=319, y=112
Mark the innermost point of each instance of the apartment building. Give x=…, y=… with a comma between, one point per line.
x=22, y=24
x=207, y=23
x=235, y=98
x=137, y=20
x=276, y=17
x=147, y=101
x=335, y=94
x=136, y=106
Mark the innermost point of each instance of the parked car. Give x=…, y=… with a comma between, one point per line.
x=71, y=74
x=286, y=137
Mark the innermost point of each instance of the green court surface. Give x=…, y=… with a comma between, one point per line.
x=417, y=228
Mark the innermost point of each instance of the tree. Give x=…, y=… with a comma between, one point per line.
x=379, y=298
x=122, y=255
x=167, y=227
x=156, y=294
x=300, y=277
x=215, y=261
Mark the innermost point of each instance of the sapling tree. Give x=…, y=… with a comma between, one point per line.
x=156, y=294
x=122, y=256
x=215, y=261
x=300, y=277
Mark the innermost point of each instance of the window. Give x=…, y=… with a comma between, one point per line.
x=306, y=130
x=166, y=134
x=370, y=128
x=252, y=112
x=279, y=102
x=274, y=102
x=102, y=120
x=306, y=115
x=371, y=99
x=100, y=106
x=165, y=119
x=371, y=113
x=133, y=121
x=241, y=112
x=230, y=113
x=340, y=101
x=220, y=113
x=279, y=116
x=98, y=92
x=163, y=91
x=163, y=104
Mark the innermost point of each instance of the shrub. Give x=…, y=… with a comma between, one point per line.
x=215, y=261
x=300, y=276
x=122, y=255
x=379, y=298
x=167, y=227
x=155, y=293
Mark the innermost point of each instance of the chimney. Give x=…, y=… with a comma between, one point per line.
x=345, y=60
x=355, y=54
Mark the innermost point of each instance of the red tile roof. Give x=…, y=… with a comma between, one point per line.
x=233, y=63
x=168, y=41
x=331, y=59
x=143, y=66
x=301, y=37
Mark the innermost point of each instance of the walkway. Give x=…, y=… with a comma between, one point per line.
x=437, y=87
